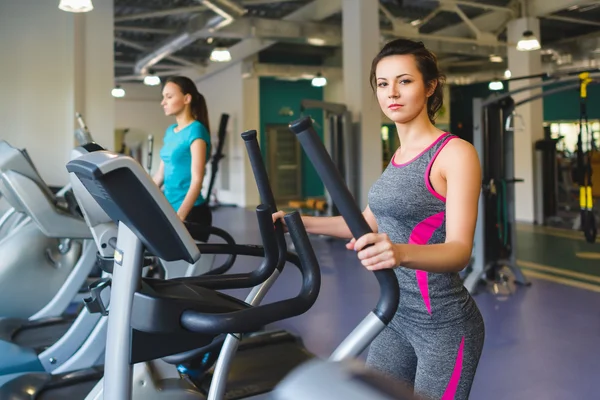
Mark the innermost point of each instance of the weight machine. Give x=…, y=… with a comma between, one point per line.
x=495, y=232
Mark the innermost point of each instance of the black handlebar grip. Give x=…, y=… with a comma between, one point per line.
x=264, y=189
x=311, y=283
x=265, y=225
x=341, y=196
x=258, y=168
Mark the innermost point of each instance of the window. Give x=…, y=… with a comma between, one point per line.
x=569, y=131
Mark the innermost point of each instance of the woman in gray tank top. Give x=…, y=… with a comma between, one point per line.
x=422, y=210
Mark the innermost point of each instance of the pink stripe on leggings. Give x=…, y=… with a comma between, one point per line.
x=421, y=235
x=450, y=391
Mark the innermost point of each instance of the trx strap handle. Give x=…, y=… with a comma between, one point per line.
x=584, y=165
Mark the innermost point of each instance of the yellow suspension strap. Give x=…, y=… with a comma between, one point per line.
x=584, y=165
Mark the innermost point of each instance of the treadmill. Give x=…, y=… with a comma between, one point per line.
x=63, y=271
x=49, y=344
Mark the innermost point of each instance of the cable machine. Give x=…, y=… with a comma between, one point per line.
x=495, y=232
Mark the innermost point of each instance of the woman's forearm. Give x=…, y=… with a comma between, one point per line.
x=190, y=199
x=440, y=258
x=328, y=226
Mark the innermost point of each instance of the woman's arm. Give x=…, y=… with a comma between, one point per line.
x=461, y=169
x=198, y=152
x=159, y=176
x=331, y=226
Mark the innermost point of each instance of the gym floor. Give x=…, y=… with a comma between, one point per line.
x=542, y=341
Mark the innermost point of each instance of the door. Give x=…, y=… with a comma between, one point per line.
x=284, y=165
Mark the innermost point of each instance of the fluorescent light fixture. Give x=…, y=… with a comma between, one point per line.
x=528, y=42
x=319, y=81
x=76, y=6
x=220, y=54
x=151, y=80
x=496, y=85
x=118, y=92
x=495, y=59
x=316, y=41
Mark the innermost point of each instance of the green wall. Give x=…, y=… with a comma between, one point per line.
x=565, y=105
x=278, y=94
x=559, y=106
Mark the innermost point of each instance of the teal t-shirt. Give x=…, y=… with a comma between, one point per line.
x=177, y=158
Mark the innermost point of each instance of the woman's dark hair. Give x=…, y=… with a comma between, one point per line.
x=427, y=65
x=198, y=105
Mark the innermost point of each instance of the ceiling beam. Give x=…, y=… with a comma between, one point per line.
x=315, y=11
x=186, y=10
x=538, y=8
x=571, y=20
x=160, y=13
x=453, y=45
x=314, y=33
x=489, y=22
x=290, y=71
x=473, y=4
x=141, y=29
x=139, y=47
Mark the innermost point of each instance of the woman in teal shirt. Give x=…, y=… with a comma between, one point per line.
x=185, y=151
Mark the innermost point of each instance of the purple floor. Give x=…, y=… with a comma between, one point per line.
x=542, y=342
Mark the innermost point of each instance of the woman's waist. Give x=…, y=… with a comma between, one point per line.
x=436, y=313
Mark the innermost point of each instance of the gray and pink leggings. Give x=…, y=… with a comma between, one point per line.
x=440, y=363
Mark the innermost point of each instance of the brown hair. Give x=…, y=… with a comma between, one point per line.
x=198, y=105
x=427, y=65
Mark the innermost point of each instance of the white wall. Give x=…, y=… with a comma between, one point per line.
x=96, y=58
x=38, y=82
x=227, y=92
x=333, y=92
x=526, y=63
x=141, y=113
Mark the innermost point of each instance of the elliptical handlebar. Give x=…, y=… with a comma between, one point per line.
x=236, y=281
x=264, y=189
x=198, y=230
x=254, y=318
x=321, y=160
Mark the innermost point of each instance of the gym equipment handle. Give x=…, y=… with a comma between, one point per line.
x=264, y=189
x=255, y=318
x=316, y=152
x=198, y=230
x=260, y=174
x=254, y=278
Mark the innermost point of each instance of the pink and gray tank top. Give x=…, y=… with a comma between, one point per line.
x=408, y=210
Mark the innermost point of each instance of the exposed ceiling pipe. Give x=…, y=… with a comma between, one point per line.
x=227, y=11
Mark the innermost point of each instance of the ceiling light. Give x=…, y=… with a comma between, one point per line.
x=151, y=80
x=316, y=41
x=416, y=22
x=507, y=74
x=496, y=85
x=220, y=54
x=528, y=42
x=76, y=6
x=319, y=81
x=496, y=59
x=118, y=92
